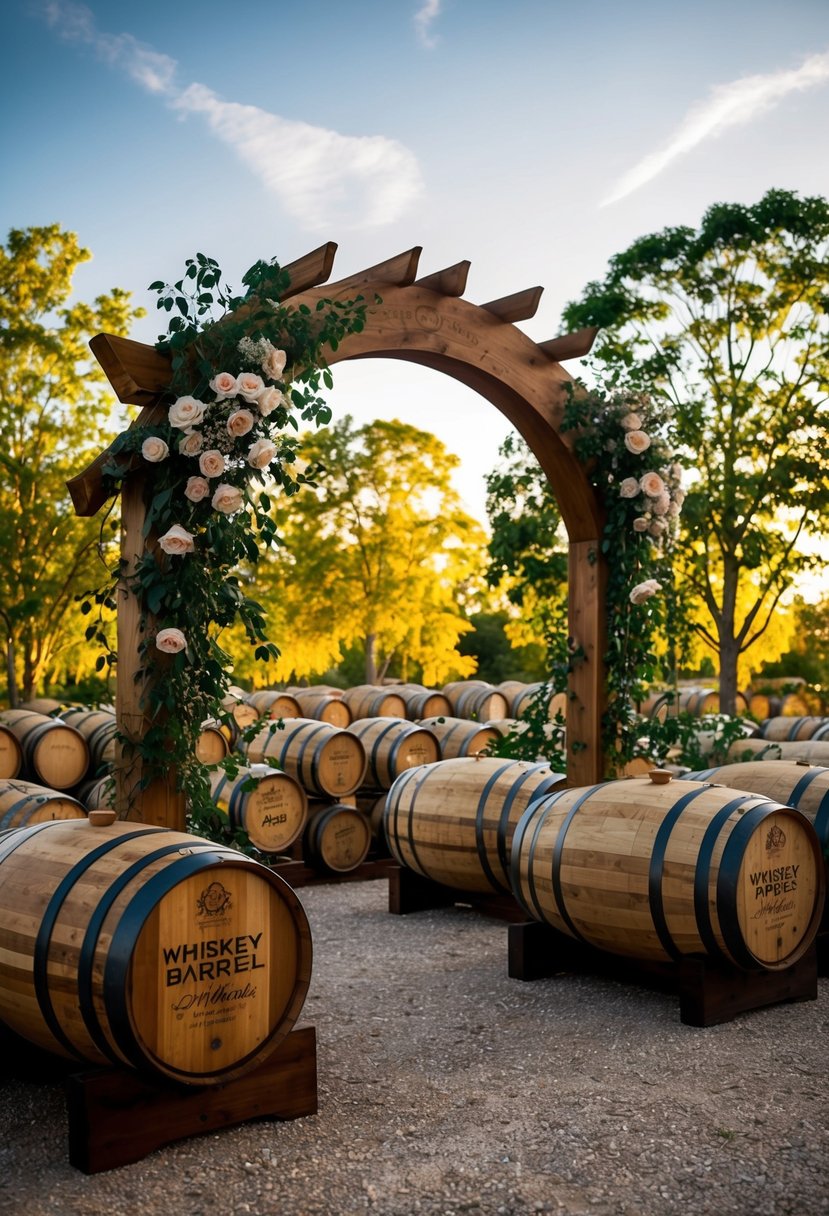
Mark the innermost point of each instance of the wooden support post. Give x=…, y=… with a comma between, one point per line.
x=587, y=692
x=409, y=892
x=710, y=993
x=117, y=1117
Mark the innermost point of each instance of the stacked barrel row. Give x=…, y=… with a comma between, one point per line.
x=644, y=867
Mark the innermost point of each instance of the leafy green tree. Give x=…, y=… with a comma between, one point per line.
x=55, y=417
x=375, y=556
x=496, y=659
x=729, y=323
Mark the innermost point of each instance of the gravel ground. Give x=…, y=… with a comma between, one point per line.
x=445, y=1087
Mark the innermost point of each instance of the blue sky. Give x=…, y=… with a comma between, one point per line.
x=535, y=138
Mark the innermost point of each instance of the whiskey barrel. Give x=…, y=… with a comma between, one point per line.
x=790, y=782
x=212, y=744
x=11, y=753
x=99, y=792
x=23, y=802
x=556, y=702
x=337, y=839
x=393, y=745
x=269, y=805
x=790, y=730
x=323, y=707
x=149, y=948
x=369, y=701
x=460, y=737
x=271, y=703
x=48, y=706
x=423, y=702
x=661, y=871
x=453, y=821
x=324, y=760
x=54, y=753
x=476, y=700
x=99, y=727
x=811, y=751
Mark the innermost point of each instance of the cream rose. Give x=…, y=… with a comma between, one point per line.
x=637, y=442
x=629, y=487
x=249, y=386
x=212, y=463
x=224, y=386
x=661, y=503
x=657, y=527
x=154, y=449
x=239, y=423
x=187, y=411
x=652, y=485
x=176, y=540
x=644, y=591
x=269, y=400
x=673, y=510
x=261, y=454
x=171, y=641
x=227, y=499
x=631, y=422
x=191, y=444
x=640, y=524
x=273, y=365
x=679, y=497
x=196, y=489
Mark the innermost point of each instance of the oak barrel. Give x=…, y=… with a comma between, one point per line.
x=337, y=838
x=212, y=744
x=267, y=804
x=453, y=821
x=658, y=871
x=790, y=782
x=460, y=737
x=54, y=753
x=423, y=702
x=791, y=730
x=811, y=751
x=393, y=745
x=323, y=707
x=371, y=701
x=476, y=700
x=323, y=759
x=270, y=703
x=11, y=753
x=98, y=792
x=147, y=947
x=556, y=702
x=99, y=727
x=23, y=802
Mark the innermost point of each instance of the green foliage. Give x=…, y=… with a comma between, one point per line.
x=536, y=736
x=692, y=742
x=245, y=369
x=729, y=323
x=54, y=415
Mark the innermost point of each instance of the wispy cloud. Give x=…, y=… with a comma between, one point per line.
x=728, y=105
x=319, y=176
x=424, y=18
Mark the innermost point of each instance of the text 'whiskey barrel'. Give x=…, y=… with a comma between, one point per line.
x=658, y=871
x=135, y=945
x=453, y=821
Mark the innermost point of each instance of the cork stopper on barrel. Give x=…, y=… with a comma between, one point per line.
x=660, y=776
x=102, y=817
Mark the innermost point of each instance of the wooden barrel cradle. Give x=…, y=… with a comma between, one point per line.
x=326, y=762
x=453, y=821
x=460, y=737
x=370, y=701
x=658, y=871
x=393, y=745
x=267, y=804
x=271, y=703
x=337, y=838
x=323, y=707
x=99, y=727
x=791, y=730
x=11, y=753
x=54, y=753
x=810, y=751
x=22, y=802
x=141, y=946
x=423, y=702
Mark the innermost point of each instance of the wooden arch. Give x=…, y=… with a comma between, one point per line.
x=425, y=321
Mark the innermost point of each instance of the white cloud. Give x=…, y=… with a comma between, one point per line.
x=728, y=105
x=428, y=12
x=319, y=176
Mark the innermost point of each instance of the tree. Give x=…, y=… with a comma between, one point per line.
x=52, y=413
x=374, y=554
x=729, y=323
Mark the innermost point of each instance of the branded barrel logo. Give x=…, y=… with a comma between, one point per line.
x=214, y=900
x=776, y=839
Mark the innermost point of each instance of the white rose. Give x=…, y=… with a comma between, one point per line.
x=212, y=463
x=249, y=386
x=632, y=422
x=637, y=442
x=261, y=454
x=644, y=591
x=196, y=489
x=269, y=400
x=273, y=365
x=239, y=423
x=187, y=411
x=227, y=499
x=629, y=487
x=224, y=386
x=191, y=444
x=177, y=540
x=154, y=449
x=171, y=641
x=652, y=485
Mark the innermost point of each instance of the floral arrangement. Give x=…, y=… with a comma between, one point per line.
x=245, y=369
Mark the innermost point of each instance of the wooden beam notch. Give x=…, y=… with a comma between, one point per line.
x=518, y=307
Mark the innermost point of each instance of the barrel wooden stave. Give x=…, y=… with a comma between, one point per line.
x=657, y=872
x=393, y=745
x=160, y=950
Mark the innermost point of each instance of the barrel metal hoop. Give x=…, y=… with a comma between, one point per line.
x=38, y=800
x=86, y=957
x=802, y=785
x=375, y=746
x=538, y=792
x=40, y=959
x=314, y=758
x=657, y=862
x=26, y=833
x=794, y=728
x=702, y=875
x=727, y=884
x=821, y=824
x=517, y=845
x=392, y=809
x=480, y=845
x=704, y=774
x=558, y=852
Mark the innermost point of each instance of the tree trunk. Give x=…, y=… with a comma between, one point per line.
x=11, y=674
x=729, y=647
x=371, y=661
